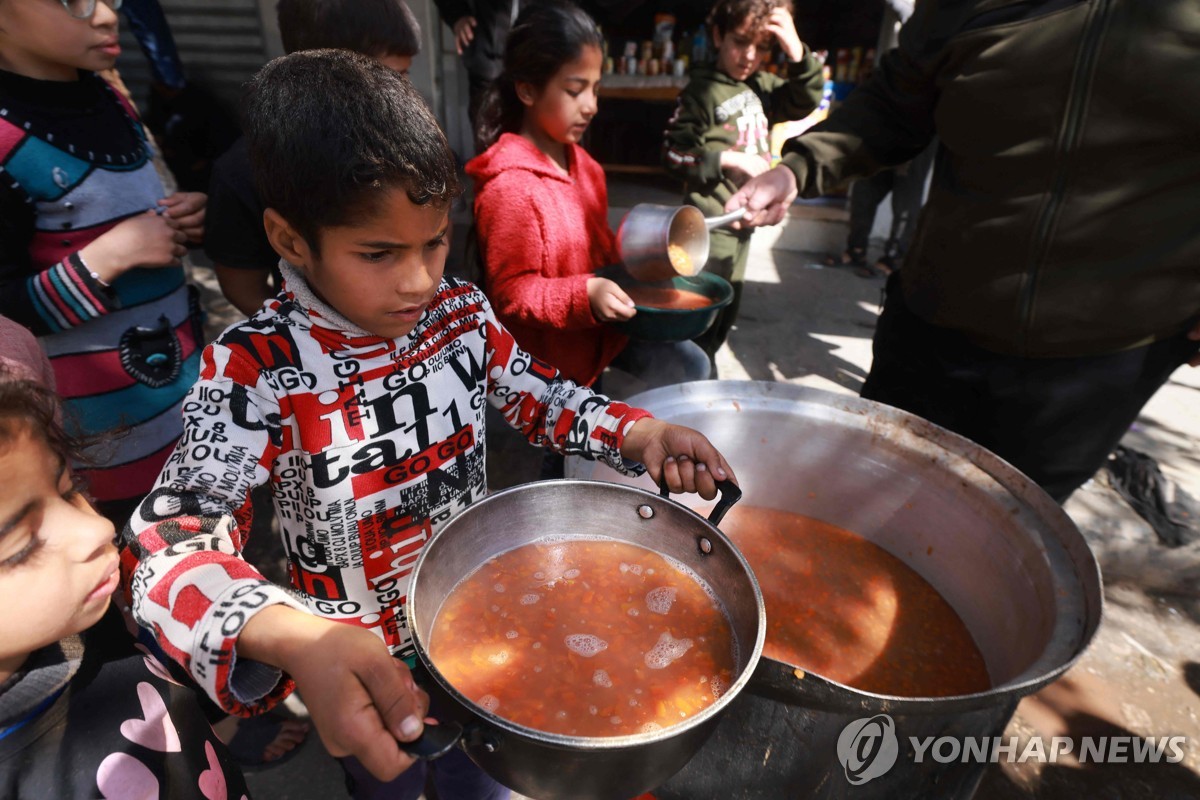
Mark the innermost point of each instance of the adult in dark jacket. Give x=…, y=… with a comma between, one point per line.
x=1053, y=284
x=480, y=30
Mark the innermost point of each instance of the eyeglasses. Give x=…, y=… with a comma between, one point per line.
x=83, y=9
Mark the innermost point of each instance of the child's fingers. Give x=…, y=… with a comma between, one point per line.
x=687, y=472
x=706, y=487
x=670, y=475
x=619, y=309
x=193, y=220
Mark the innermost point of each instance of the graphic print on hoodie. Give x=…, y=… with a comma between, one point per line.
x=369, y=445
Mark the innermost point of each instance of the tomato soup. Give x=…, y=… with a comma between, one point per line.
x=585, y=637
x=681, y=262
x=846, y=609
x=660, y=297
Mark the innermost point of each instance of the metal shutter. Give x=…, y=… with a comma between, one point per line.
x=221, y=43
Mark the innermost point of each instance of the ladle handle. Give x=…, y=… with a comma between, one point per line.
x=730, y=494
x=724, y=219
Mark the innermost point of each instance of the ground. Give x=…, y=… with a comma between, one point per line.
x=810, y=325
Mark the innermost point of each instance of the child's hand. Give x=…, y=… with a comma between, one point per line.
x=186, y=212
x=147, y=240
x=741, y=167
x=464, y=33
x=783, y=26
x=686, y=458
x=362, y=700
x=609, y=301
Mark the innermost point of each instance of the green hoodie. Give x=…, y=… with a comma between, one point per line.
x=716, y=113
x=1064, y=212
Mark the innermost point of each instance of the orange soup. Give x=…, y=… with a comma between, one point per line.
x=846, y=609
x=680, y=260
x=585, y=637
x=660, y=297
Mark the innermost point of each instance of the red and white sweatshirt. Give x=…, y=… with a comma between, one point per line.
x=369, y=445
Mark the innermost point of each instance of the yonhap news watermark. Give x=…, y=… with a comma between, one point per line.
x=869, y=747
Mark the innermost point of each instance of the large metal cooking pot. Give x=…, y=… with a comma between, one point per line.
x=550, y=766
x=999, y=550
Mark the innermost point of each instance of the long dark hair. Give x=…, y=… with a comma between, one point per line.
x=545, y=36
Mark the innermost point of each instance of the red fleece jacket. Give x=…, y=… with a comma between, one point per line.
x=542, y=234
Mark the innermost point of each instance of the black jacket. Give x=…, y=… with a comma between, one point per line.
x=1064, y=212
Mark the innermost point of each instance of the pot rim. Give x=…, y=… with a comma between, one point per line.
x=592, y=743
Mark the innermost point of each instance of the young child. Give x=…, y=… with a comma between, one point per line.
x=358, y=394
x=244, y=261
x=719, y=135
x=89, y=247
x=541, y=209
x=79, y=716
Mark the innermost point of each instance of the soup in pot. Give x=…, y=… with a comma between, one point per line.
x=585, y=637
x=848, y=610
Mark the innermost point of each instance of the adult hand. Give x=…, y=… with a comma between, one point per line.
x=147, y=240
x=684, y=457
x=741, y=167
x=783, y=26
x=185, y=210
x=766, y=198
x=1194, y=335
x=609, y=301
x=464, y=33
x=362, y=700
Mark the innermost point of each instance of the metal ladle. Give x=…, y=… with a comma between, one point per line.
x=650, y=234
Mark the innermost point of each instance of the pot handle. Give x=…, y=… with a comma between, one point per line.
x=434, y=742
x=724, y=219
x=730, y=494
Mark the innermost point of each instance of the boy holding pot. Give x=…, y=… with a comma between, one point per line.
x=358, y=394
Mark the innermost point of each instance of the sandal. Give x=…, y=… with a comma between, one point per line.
x=851, y=257
x=886, y=265
x=267, y=740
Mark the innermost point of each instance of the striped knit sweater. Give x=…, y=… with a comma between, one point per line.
x=74, y=162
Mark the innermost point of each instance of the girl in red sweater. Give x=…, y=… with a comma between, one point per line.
x=541, y=209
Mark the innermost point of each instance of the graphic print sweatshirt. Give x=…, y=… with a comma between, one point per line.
x=369, y=444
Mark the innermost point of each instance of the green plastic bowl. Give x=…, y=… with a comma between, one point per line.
x=674, y=324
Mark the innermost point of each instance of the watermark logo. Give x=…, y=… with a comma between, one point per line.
x=868, y=748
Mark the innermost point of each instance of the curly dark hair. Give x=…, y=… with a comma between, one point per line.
x=330, y=131
x=729, y=15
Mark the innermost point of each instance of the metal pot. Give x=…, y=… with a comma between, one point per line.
x=999, y=550
x=649, y=229
x=551, y=766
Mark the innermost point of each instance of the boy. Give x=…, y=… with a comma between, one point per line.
x=719, y=135
x=358, y=394
x=242, y=257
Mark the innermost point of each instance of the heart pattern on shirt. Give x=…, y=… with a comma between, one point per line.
x=123, y=777
x=156, y=731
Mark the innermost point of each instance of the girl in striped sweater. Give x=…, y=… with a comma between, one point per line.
x=89, y=246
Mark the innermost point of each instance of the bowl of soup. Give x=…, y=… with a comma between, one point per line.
x=671, y=311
